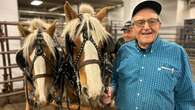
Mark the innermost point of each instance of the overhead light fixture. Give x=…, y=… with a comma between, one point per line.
x=36, y=2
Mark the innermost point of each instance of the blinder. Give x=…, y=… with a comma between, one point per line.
x=20, y=60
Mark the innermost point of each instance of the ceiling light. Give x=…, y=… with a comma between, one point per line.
x=36, y=2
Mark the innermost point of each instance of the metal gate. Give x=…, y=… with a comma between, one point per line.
x=10, y=74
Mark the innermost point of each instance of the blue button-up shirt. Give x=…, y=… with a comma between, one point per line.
x=159, y=78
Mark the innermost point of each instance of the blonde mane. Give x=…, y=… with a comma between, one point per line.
x=97, y=31
x=35, y=25
x=86, y=8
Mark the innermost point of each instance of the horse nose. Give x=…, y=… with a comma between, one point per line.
x=84, y=90
x=42, y=101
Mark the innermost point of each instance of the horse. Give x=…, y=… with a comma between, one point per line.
x=88, y=46
x=38, y=58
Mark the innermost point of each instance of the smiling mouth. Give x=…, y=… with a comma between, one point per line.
x=148, y=33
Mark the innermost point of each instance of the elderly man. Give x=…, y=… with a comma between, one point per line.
x=149, y=73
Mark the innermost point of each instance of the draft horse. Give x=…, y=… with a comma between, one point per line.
x=39, y=59
x=88, y=47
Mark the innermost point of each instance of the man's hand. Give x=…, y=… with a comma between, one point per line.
x=106, y=98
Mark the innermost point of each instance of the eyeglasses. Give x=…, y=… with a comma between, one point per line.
x=151, y=22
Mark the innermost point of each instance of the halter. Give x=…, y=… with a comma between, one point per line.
x=77, y=64
x=86, y=62
x=40, y=52
x=57, y=70
x=73, y=73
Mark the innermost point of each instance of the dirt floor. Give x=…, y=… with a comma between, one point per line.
x=17, y=102
x=20, y=106
x=16, y=106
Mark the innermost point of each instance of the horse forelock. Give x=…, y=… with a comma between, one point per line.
x=86, y=8
x=28, y=45
x=94, y=26
x=38, y=23
x=30, y=40
x=50, y=43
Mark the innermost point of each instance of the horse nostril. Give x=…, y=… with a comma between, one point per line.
x=49, y=98
x=42, y=104
x=84, y=90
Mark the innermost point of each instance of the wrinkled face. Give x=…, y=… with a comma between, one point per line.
x=146, y=26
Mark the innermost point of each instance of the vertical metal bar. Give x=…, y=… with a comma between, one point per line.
x=115, y=32
x=8, y=59
x=5, y=86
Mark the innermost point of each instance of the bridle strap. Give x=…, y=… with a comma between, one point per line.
x=87, y=62
x=42, y=76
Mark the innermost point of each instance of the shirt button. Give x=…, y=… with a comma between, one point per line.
x=140, y=80
x=138, y=94
x=159, y=69
x=142, y=67
x=136, y=108
x=144, y=55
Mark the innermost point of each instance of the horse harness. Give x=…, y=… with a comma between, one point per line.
x=76, y=64
x=27, y=69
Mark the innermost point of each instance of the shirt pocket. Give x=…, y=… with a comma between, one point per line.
x=166, y=77
x=169, y=71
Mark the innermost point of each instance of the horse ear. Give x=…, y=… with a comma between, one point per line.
x=69, y=12
x=52, y=28
x=103, y=12
x=23, y=31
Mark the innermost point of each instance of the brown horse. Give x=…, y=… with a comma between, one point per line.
x=85, y=38
x=38, y=58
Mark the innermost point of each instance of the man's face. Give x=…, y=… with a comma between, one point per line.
x=129, y=35
x=146, y=26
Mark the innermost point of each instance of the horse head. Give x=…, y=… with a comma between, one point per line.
x=39, y=54
x=85, y=36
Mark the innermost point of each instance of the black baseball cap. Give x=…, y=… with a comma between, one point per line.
x=126, y=26
x=147, y=4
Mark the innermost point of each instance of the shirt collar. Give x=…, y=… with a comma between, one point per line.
x=150, y=48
